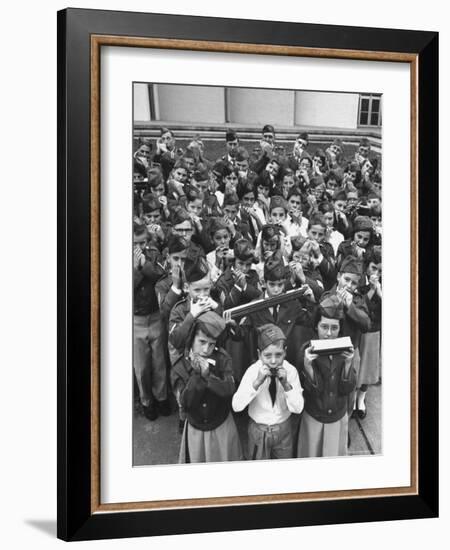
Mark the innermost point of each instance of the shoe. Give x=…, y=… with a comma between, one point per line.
x=164, y=407
x=150, y=412
x=362, y=413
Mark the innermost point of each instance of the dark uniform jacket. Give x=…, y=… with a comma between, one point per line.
x=144, y=281
x=356, y=319
x=326, y=396
x=206, y=400
x=167, y=298
x=180, y=326
x=230, y=295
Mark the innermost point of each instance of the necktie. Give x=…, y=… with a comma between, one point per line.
x=273, y=389
x=275, y=314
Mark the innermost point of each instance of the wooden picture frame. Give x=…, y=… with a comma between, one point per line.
x=81, y=35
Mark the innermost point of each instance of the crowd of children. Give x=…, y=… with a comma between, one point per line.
x=214, y=234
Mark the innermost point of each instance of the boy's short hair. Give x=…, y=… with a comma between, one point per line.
x=150, y=203
x=192, y=194
x=140, y=233
x=245, y=188
x=278, y=202
x=375, y=211
x=201, y=173
x=217, y=224
x=154, y=176
x=165, y=130
x=263, y=180
x=339, y=195
x=231, y=136
x=297, y=242
x=268, y=129
x=274, y=269
x=244, y=250
x=179, y=215
x=230, y=199
x=294, y=191
x=270, y=231
x=374, y=255
x=317, y=219
x=241, y=154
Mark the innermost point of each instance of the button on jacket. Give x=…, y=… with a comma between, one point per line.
x=205, y=399
x=326, y=394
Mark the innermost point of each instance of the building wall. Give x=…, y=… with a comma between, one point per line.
x=246, y=106
x=141, y=102
x=250, y=106
x=337, y=110
x=191, y=103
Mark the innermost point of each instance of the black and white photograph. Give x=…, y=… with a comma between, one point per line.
x=257, y=273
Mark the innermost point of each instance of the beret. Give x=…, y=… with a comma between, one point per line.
x=195, y=269
x=176, y=243
x=351, y=264
x=362, y=223
x=331, y=307
x=278, y=202
x=269, y=334
x=211, y=323
x=268, y=129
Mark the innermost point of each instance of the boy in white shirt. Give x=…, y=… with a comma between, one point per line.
x=271, y=389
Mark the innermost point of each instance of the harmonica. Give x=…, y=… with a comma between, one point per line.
x=264, y=303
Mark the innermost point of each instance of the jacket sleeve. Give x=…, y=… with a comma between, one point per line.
x=193, y=392
x=167, y=301
x=312, y=385
x=246, y=392
x=294, y=397
x=347, y=385
x=359, y=313
x=222, y=384
x=179, y=327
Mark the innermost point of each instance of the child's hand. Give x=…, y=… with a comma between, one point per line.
x=297, y=271
x=239, y=279
x=177, y=277
x=199, y=307
x=163, y=200
x=138, y=257
x=228, y=320
x=263, y=373
x=345, y=296
x=348, y=355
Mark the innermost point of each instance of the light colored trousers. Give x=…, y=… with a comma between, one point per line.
x=149, y=359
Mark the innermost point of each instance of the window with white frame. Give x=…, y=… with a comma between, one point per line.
x=369, y=110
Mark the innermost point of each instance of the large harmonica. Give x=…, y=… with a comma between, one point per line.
x=264, y=303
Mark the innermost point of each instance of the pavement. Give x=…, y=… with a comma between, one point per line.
x=158, y=442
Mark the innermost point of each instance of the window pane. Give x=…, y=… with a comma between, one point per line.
x=363, y=117
x=364, y=104
x=375, y=106
x=374, y=119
